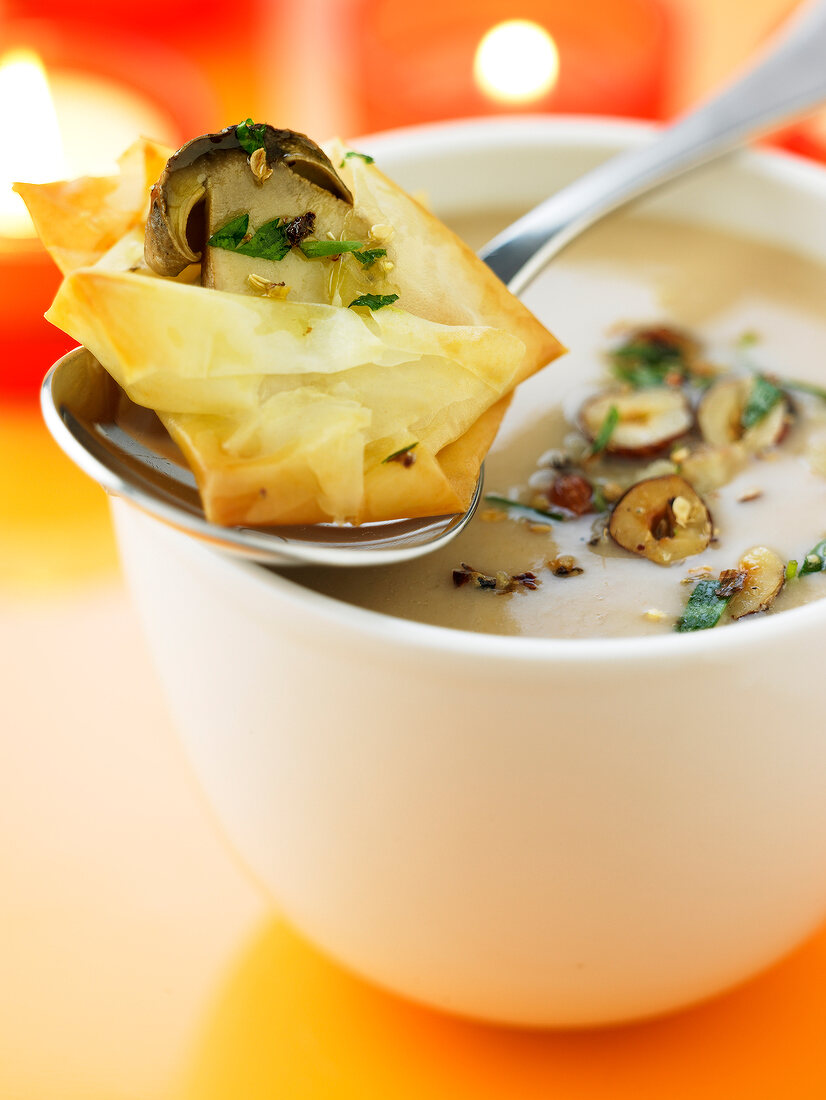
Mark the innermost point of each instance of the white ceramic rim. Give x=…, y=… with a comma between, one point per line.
x=786, y=168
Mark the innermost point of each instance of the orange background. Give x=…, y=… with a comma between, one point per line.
x=137, y=959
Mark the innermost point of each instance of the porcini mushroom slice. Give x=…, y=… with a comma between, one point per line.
x=765, y=576
x=662, y=519
x=648, y=421
x=720, y=415
x=211, y=180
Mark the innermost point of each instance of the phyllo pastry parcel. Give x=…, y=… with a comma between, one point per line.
x=318, y=344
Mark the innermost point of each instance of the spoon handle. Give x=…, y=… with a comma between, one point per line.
x=788, y=80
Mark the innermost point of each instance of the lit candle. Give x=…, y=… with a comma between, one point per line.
x=75, y=127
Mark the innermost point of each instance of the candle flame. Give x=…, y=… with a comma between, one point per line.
x=35, y=154
x=516, y=62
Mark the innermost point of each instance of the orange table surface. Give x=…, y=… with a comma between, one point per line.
x=139, y=962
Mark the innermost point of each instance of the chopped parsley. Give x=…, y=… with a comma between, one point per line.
x=329, y=248
x=646, y=361
x=538, y=515
x=705, y=606
x=250, y=137
x=274, y=239
x=362, y=156
x=232, y=234
x=606, y=430
x=270, y=242
x=763, y=397
x=370, y=255
x=374, y=301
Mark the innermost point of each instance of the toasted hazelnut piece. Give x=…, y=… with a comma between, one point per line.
x=709, y=468
x=765, y=576
x=663, y=519
x=572, y=492
x=719, y=417
x=649, y=420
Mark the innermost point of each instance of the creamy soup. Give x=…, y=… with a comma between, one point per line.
x=753, y=308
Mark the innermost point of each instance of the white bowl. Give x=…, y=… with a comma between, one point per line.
x=497, y=826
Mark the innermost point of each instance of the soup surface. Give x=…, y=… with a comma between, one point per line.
x=755, y=309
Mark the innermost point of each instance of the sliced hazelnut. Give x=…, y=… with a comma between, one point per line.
x=765, y=575
x=720, y=417
x=572, y=492
x=663, y=519
x=649, y=420
x=709, y=468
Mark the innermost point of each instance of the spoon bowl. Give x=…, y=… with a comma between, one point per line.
x=126, y=449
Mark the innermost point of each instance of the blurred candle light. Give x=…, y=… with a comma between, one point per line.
x=36, y=154
x=56, y=126
x=516, y=62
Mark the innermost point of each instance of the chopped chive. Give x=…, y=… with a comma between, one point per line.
x=791, y=570
x=374, y=301
x=402, y=454
x=606, y=430
x=763, y=397
x=539, y=515
x=328, y=248
x=704, y=608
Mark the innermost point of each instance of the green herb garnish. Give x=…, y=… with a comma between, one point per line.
x=763, y=397
x=362, y=156
x=370, y=255
x=704, y=608
x=598, y=501
x=805, y=387
x=402, y=455
x=250, y=137
x=270, y=242
x=232, y=234
x=748, y=338
x=791, y=570
x=538, y=515
x=815, y=560
x=606, y=430
x=644, y=363
x=328, y=248
x=374, y=301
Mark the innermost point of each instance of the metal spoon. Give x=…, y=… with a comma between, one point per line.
x=125, y=449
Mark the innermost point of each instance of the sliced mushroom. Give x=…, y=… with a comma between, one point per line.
x=211, y=181
x=720, y=417
x=765, y=575
x=663, y=519
x=648, y=422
